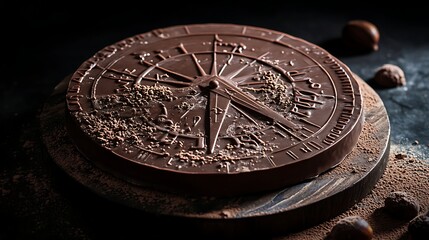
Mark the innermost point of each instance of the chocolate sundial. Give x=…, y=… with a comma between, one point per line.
x=214, y=109
x=230, y=129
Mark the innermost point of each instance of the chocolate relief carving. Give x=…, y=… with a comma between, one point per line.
x=216, y=99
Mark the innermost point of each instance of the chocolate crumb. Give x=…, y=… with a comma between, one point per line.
x=390, y=76
x=401, y=205
x=274, y=92
x=400, y=156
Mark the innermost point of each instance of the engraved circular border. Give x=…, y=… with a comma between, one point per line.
x=334, y=66
x=265, y=214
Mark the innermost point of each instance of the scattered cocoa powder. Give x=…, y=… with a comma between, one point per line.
x=401, y=174
x=404, y=172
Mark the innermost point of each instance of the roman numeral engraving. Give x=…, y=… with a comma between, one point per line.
x=165, y=54
x=292, y=155
x=73, y=103
x=200, y=143
x=295, y=110
x=315, y=145
x=79, y=76
x=271, y=161
x=305, y=148
x=310, y=146
x=288, y=132
x=306, y=102
x=143, y=155
x=74, y=89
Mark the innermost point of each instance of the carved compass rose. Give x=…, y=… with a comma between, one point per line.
x=212, y=100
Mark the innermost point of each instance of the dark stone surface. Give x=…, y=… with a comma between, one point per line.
x=42, y=43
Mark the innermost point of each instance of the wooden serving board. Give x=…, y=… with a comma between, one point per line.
x=272, y=213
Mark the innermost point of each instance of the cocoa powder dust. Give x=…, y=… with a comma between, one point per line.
x=406, y=173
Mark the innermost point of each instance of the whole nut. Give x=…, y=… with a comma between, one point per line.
x=361, y=35
x=389, y=76
x=418, y=228
x=352, y=228
x=401, y=205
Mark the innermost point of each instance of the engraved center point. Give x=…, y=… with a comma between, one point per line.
x=213, y=84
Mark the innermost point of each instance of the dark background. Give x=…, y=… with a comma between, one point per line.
x=42, y=43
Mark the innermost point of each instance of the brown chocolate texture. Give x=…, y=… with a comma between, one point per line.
x=214, y=109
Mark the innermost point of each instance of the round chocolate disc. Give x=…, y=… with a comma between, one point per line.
x=214, y=109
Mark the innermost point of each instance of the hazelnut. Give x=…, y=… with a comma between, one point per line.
x=361, y=35
x=353, y=228
x=389, y=76
x=418, y=228
x=401, y=205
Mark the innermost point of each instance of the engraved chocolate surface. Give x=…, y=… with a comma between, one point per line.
x=199, y=107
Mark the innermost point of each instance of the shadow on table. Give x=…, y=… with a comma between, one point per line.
x=338, y=48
